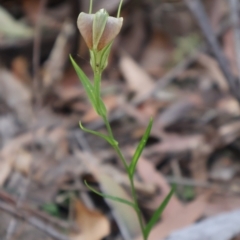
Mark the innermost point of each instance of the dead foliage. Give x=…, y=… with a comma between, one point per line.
x=161, y=66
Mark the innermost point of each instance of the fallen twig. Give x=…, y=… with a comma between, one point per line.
x=199, y=12
x=235, y=22
x=44, y=227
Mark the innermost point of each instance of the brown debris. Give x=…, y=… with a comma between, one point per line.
x=160, y=67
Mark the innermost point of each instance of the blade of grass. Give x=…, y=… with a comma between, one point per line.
x=158, y=213
x=140, y=148
x=105, y=137
x=110, y=197
x=102, y=108
x=88, y=86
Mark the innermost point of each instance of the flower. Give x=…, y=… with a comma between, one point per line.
x=98, y=31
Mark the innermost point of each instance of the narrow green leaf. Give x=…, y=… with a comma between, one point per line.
x=102, y=109
x=117, y=199
x=88, y=86
x=158, y=213
x=105, y=137
x=140, y=148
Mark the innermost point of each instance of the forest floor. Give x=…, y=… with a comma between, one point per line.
x=169, y=62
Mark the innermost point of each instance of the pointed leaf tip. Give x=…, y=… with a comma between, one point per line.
x=158, y=213
x=88, y=87
x=117, y=199
x=140, y=148
x=101, y=135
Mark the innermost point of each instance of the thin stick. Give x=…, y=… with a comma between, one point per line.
x=44, y=227
x=36, y=54
x=199, y=13
x=235, y=23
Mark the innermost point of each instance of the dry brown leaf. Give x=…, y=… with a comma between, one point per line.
x=93, y=225
x=55, y=64
x=122, y=178
x=31, y=8
x=110, y=6
x=22, y=161
x=156, y=54
x=216, y=9
x=182, y=218
x=175, y=216
x=68, y=93
x=135, y=37
x=222, y=203
x=178, y=110
x=137, y=79
x=229, y=132
x=17, y=159
x=16, y=143
x=150, y=108
x=212, y=66
x=174, y=143
x=230, y=50
x=20, y=68
x=20, y=102
x=125, y=215
x=229, y=105
x=149, y=174
x=5, y=170
x=57, y=142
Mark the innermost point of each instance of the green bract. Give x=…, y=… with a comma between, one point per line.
x=99, y=31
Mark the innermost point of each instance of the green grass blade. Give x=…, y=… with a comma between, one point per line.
x=140, y=148
x=158, y=213
x=105, y=137
x=88, y=86
x=110, y=197
x=102, y=111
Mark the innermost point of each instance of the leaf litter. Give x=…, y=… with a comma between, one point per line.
x=196, y=121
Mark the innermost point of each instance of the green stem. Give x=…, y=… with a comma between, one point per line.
x=119, y=153
x=134, y=196
x=97, y=85
x=90, y=6
x=108, y=127
x=116, y=148
x=133, y=192
x=119, y=8
x=97, y=88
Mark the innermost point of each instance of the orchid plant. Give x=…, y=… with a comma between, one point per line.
x=99, y=31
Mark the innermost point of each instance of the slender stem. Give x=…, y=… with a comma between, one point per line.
x=90, y=6
x=133, y=192
x=119, y=153
x=97, y=87
x=134, y=196
x=116, y=148
x=119, y=8
x=108, y=127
